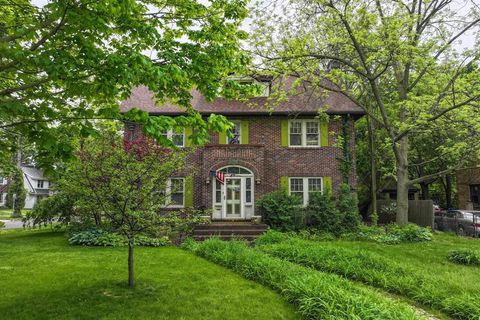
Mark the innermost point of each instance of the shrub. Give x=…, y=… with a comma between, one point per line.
x=374, y=269
x=347, y=205
x=317, y=295
x=282, y=211
x=464, y=256
x=99, y=237
x=322, y=213
x=56, y=208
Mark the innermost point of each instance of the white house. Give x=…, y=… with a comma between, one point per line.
x=36, y=186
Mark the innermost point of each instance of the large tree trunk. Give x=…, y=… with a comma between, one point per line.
x=448, y=191
x=373, y=168
x=402, y=182
x=131, y=276
x=425, y=190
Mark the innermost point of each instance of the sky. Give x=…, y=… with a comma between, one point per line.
x=462, y=6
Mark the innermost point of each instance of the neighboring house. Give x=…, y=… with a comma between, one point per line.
x=389, y=191
x=284, y=147
x=36, y=185
x=468, y=187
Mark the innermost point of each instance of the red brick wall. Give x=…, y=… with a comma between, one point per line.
x=267, y=159
x=465, y=178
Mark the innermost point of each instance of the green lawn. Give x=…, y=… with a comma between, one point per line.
x=419, y=272
x=6, y=214
x=42, y=277
x=429, y=259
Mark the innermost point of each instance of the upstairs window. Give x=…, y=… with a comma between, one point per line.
x=304, y=188
x=237, y=134
x=40, y=184
x=177, y=137
x=304, y=133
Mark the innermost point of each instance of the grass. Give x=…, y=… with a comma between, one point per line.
x=6, y=214
x=419, y=271
x=42, y=277
x=317, y=295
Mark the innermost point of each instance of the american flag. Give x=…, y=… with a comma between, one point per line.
x=220, y=176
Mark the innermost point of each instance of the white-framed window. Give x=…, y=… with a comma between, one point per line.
x=304, y=133
x=304, y=187
x=175, y=193
x=40, y=184
x=177, y=137
x=237, y=133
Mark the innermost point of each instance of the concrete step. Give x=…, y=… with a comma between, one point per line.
x=240, y=232
x=231, y=226
x=225, y=237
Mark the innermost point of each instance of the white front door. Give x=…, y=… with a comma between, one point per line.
x=233, y=202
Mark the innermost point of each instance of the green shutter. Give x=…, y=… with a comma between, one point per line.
x=189, y=191
x=244, y=131
x=327, y=183
x=222, y=138
x=284, y=183
x=284, y=128
x=324, y=134
x=188, y=133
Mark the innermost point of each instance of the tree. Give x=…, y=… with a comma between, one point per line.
x=67, y=63
x=398, y=56
x=127, y=184
x=16, y=193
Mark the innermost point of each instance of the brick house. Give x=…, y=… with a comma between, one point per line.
x=468, y=187
x=284, y=147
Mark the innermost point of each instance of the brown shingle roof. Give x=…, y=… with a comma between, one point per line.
x=305, y=102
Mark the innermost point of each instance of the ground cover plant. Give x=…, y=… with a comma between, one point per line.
x=317, y=295
x=374, y=269
x=99, y=237
x=465, y=256
x=391, y=234
x=43, y=277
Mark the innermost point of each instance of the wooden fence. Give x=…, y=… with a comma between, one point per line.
x=419, y=212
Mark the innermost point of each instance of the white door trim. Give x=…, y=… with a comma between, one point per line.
x=242, y=198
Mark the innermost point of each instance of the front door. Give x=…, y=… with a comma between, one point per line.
x=233, y=204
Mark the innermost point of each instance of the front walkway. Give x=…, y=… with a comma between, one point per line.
x=12, y=224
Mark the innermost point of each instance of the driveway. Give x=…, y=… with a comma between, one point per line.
x=12, y=224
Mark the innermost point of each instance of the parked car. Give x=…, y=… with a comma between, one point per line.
x=462, y=222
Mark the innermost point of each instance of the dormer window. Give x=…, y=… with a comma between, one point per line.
x=40, y=184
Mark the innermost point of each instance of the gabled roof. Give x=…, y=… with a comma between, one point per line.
x=33, y=172
x=305, y=102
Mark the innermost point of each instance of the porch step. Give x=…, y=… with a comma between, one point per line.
x=226, y=237
x=229, y=230
x=231, y=226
